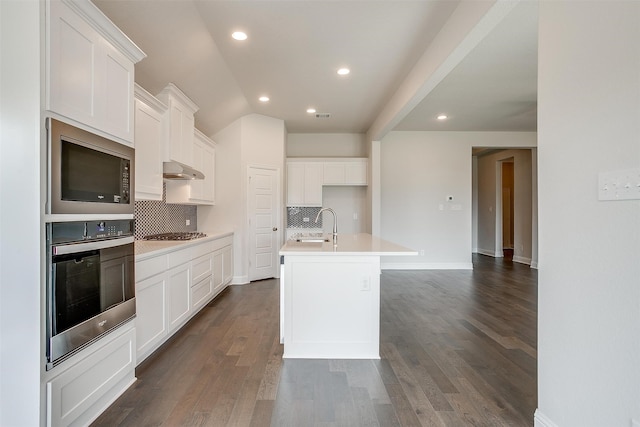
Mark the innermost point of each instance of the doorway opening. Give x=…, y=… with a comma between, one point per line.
x=507, y=211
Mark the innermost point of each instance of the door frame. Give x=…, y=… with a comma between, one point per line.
x=248, y=237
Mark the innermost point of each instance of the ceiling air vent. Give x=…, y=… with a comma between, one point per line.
x=323, y=115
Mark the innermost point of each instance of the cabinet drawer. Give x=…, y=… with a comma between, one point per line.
x=201, y=292
x=72, y=394
x=222, y=242
x=201, y=268
x=202, y=249
x=150, y=267
x=179, y=257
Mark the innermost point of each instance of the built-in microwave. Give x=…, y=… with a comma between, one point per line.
x=88, y=174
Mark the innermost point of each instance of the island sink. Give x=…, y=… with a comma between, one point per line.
x=311, y=240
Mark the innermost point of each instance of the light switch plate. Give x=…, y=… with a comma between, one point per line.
x=619, y=185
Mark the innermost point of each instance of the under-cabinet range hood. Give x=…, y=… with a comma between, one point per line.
x=176, y=170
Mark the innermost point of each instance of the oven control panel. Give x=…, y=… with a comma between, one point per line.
x=80, y=231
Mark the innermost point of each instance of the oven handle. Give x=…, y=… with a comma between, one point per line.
x=90, y=246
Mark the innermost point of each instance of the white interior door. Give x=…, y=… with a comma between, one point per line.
x=264, y=233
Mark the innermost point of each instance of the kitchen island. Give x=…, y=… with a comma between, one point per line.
x=330, y=296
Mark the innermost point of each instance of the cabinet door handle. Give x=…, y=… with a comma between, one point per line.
x=275, y=228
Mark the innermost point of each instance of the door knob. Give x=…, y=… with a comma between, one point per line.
x=275, y=228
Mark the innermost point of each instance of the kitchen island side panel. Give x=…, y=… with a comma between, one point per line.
x=332, y=307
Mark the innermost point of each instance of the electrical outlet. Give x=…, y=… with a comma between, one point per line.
x=421, y=252
x=366, y=284
x=187, y=222
x=355, y=216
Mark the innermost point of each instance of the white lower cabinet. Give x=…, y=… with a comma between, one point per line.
x=179, y=285
x=173, y=286
x=81, y=388
x=151, y=323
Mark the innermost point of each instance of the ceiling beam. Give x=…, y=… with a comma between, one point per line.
x=468, y=25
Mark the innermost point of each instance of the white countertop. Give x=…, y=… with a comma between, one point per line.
x=150, y=248
x=347, y=244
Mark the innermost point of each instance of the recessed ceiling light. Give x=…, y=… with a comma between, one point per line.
x=263, y=99
x=239, y=35
x=311, y=110
x=442, y=117
x=344, y=71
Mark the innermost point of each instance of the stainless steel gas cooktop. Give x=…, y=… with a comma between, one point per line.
x=183, y=235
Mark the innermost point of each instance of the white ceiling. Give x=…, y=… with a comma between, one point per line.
x=295, y=48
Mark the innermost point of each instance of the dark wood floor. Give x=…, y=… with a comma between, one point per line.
x=458, y=348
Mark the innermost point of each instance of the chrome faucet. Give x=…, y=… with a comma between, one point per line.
x=335, y=221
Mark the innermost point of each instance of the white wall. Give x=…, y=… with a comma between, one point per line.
x=252, y=140
x=326, y=145
x=489, y=204
x=21, y=239
x=418, y=170
x=345, y=201
x=589, y=277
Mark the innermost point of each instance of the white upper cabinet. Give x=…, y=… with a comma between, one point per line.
x=90, y=69
x=345, y=172
x=304, y=184
x=197, y=191
x=180, y=124
x=307, y=176
x=149, y=142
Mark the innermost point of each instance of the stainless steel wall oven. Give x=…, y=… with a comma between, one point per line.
x=90, y=283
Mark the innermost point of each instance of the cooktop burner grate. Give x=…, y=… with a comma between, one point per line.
x=185, y=235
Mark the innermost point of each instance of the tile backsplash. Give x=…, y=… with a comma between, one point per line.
x=153, y=217
x=303, y=217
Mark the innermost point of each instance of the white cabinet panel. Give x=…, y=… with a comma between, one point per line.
x=89, y=79
x=304, y=184
x=73, y=51
x=313, y=184
x=227, y=265
x=84, y=388
x=356, y=173
x=199, y=191
x=295, y=184
x=345, y=172
x=179, y=124
x=334, y=174
x=148, y=138
x=118, y=94
x=151, y=322
x=201, y=268
x=218, y=273
x=201, y=292
x=179, y=284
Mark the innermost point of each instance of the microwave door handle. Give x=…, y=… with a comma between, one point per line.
x=90, y=246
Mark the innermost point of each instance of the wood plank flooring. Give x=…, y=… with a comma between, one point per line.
x=458, y=348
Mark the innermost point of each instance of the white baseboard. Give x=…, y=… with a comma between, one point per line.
x=486, y=252
x=240, y=280
x=534, y=264
x=541, y=420
x=426, y=266
x=522, y=260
